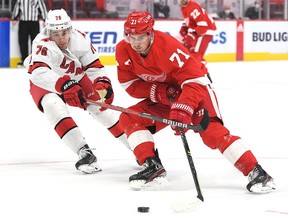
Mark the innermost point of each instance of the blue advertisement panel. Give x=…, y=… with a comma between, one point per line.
x=4, y=43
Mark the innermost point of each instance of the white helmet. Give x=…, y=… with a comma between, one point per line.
x=57, y=20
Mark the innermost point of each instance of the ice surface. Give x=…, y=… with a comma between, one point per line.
x=37, y=171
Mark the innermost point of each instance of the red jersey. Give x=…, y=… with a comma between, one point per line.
x=168, y=61
x=195, y=17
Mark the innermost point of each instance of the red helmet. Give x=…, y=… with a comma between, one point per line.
x=138, y=22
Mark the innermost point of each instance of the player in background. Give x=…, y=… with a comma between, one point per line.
x=155, y=67
x=64, y=69
x=197, y=29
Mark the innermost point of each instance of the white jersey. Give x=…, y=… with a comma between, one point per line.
x=48, y=62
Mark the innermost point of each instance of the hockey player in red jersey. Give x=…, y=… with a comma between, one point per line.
x=65, y=68
x=157, y=68
x=197, y=29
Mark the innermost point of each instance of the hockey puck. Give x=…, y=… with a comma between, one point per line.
x=143, y=209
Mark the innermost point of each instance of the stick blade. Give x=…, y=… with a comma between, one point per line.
x=187, y=205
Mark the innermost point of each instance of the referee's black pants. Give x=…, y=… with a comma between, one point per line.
x=27, y=29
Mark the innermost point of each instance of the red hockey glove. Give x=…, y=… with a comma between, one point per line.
x=71, y=91
x=164, y=93
x=183, y=30
x=103, y=86
x=189, y=41
x=182, y=113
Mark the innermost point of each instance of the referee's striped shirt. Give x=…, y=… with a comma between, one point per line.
x=29, y=10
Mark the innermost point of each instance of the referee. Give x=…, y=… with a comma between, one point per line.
x=28, y=12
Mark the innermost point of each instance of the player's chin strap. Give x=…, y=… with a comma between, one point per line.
x=145, y=53
x=198, y=128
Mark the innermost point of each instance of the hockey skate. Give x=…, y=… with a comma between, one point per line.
x=260, y=181
x=88, y=161
x=153, y=175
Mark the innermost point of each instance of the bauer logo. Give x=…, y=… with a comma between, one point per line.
x=104, y=41
x=173, y=123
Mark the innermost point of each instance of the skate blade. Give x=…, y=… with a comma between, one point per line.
x=89, y=168
x=158, y=183
x=260, y=189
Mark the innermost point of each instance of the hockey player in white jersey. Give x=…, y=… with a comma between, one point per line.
x=64, y=69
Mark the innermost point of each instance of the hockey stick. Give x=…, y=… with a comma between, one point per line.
x=190, y=203
x=199, y=127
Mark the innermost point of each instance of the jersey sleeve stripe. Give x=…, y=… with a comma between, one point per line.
x=94, y=64
x=37, y=65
